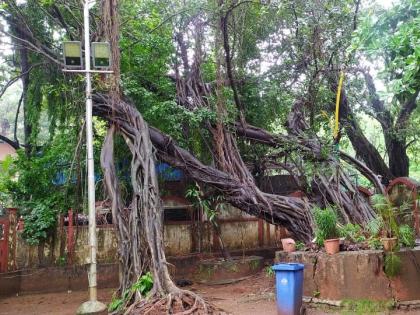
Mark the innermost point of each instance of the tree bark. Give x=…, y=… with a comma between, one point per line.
x=292, y=213
x=140, y=228
x=27, y=126
x=289, y=212
x=364, y=149
x=396, y=140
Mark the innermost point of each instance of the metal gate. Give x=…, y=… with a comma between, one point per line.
x=4, y=245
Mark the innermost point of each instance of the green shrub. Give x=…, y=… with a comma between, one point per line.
x=387, y=212
x=40, y=221
x=374, y=226
x=406, y=236
x=325, y=224
x=352, y=232
x=143, y=285
x=392, y=265
x=374, y=243
x=300, y=245
x=269, y=272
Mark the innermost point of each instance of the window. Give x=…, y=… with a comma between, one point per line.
x=177, y=214
x=2, y=232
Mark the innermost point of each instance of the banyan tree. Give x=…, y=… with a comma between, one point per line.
x=210, y=71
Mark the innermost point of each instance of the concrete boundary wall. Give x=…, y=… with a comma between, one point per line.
x=55, y=279
x=69, y=244
x=74, y=278
x=357, y=275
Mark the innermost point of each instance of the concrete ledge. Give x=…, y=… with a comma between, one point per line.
x=357, y=275
x=74, y=278
x=10, y=283
x=55, y=279
x=334, y=304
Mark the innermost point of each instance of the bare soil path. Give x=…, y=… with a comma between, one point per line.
x=253, y=296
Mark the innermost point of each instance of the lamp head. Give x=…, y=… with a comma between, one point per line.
x=72, y=52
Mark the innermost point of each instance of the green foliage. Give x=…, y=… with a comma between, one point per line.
x=116, y=304
x=406, y=236
x=374, y=243
x=390, y=39
x=300, y=245
x=6, y=174
x=392, y=264
x=30, y=188
x=269, y=272
x=39, y=221
x=279, y=55
x=387, y=211
x=374, y=226
x=32, y=183
x=353, y=233
x=210, y=205
x=143, y=286
x=61, y=261
x=364, y=307
x=392, y=35
x=326, y=224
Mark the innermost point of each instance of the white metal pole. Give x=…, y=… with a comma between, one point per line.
x=90, y=161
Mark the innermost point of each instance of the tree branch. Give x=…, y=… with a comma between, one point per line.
x=16, y=78
x=259, y=135
x=290, y=212
x=228, y=60
x=15, y=145
x=406, y=110
x=37, y=47
x=381, y=114
x=16, y=118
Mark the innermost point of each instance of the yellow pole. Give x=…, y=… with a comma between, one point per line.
x=337, y=105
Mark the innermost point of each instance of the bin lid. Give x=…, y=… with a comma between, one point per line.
x=288, y=267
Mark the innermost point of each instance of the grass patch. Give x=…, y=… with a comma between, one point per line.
x=269, y=272
x=362, y=307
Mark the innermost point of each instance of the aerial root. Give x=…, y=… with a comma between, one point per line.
x=182, y=302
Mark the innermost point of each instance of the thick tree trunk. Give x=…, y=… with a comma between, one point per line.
x=289, y=212
x=27, y=126
x=292, y=213
x=397, y=141
x=19, y=29
x=25, y=70
x=140, y=230
x=364, y=149
x=399, y=164
x=394, y=133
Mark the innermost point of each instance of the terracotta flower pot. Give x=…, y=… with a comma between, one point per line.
x=389, y=243
x=289, y=245
x=332, y=246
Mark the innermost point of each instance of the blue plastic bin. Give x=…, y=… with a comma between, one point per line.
x=289, y=288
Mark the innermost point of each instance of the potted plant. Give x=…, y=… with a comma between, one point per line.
x=389, y=226
x=326, y=231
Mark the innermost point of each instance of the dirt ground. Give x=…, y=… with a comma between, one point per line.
x=254, y=296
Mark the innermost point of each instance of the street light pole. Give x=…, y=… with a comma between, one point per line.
x=93, y=305
x=90, y=161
